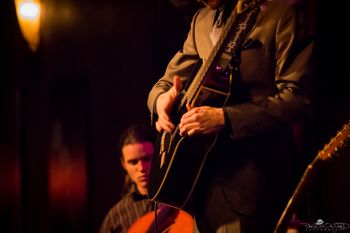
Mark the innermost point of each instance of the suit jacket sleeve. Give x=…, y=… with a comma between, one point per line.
x=293, y=46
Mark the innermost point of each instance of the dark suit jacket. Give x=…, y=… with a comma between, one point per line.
x=256, y=160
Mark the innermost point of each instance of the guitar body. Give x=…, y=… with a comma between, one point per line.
x=173, y=183
x=178, y=161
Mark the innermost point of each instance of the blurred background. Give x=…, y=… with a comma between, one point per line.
x=71, y=82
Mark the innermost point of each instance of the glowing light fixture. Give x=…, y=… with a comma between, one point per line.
x=28, y=15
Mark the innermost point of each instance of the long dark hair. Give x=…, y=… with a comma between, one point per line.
x=136, y=133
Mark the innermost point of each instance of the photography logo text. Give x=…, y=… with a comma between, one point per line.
x=323, y=226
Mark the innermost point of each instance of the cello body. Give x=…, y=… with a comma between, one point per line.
x=169, y=220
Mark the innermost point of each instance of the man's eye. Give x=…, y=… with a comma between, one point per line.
x=133, y=162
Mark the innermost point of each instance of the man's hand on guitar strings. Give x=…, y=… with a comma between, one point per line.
x=202, y=120
x=164, y=105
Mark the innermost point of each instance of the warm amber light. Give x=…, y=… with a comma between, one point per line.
x=29, y=10
x=28, y=14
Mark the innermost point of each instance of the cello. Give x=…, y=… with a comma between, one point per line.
x=167, y=220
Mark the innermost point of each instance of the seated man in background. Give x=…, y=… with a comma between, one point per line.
x=136, y=151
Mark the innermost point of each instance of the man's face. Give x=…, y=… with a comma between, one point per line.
x=137, y=163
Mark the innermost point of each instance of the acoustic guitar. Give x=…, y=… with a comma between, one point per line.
x=169, y=220
x=329, y=150
x=178, y=161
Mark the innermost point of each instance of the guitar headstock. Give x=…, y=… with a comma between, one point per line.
x=336, y=143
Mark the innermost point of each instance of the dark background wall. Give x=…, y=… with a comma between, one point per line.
x=62, y=109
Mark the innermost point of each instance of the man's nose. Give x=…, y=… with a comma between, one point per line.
x=141, y=165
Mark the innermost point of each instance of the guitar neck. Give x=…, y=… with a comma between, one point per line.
x=327, y=153
x=294, y=202
x=237, y=25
